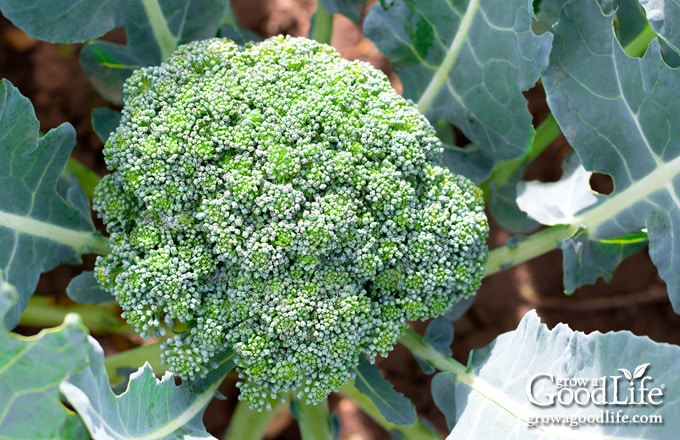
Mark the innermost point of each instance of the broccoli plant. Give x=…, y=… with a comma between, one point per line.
x=275, y=211
x=281, y=201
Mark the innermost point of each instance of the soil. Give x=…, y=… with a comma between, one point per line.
x=635, y=300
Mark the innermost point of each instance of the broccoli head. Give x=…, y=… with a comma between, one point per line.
x=284, y=203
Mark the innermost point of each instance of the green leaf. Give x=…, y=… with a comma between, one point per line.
x=149, y=409
x=558, y=203
x=44, y=221
x=392, y=405
x=439, y=334
x=664, y=16
x=104, y=122
x=503, y=204
x=468, y=63
x=153, y=32
x=493, y=397
x=85, y=289
x=351, y=9
x=31, y=369
x=74, y=21
x=444, y=396
x=584, y=261
x=621, y=121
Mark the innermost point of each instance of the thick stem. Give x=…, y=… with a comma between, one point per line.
x=87, y=178
x=417, y=431
x=535, y=245
x=134, y=358
x=314, y=420
x=43, y=311
x=250, y=424
x=415, y=344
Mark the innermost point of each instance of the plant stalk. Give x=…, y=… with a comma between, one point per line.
x=322, y=25
x=416, y=431
x=43, y=311
x=250, y=424
x=134, y=358
x=314, y=421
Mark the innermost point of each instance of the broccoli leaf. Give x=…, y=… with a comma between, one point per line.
x=621, y=122
x=468, y=63
x=394, y=406
x=104, y=122
x=153, y=32
x=149, y=408
x=554, y=203
x=43, y=221
x=493, y=396
x=584, y=261
x=351, y=9
x=63, y=22
x=85, y=289
x=664, y=17
x=25, y=392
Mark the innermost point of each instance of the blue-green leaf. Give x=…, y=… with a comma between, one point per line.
x=104, y=122
x=154, y=31
x=150, y=408
x=31, y=369
x=493, y=397
x=468, y=63
x=444, y=396
x=392, y=405
x=439, y=334
x=584, y=261
x=351, y=9
x=621, y=121
x=664, y=17
x=63, y=22
x=40, y=227
x=85, y=289
x=503, y=205
x=558, y=203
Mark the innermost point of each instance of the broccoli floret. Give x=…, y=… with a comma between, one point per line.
x=284, y=203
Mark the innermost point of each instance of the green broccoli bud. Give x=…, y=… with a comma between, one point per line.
x=283, y=203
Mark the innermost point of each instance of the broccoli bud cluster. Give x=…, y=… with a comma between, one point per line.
x=284, y=203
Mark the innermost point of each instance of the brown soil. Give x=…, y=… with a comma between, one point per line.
x=51, y=77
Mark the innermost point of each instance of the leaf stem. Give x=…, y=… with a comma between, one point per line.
x=322, y=25
x=502, y=172
x=638, y=45
x=81, y=241
x=416, y=431
x=535, y=245
x=167, y=42
x=419, y=348
x=442, y=73
x=247, y=423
